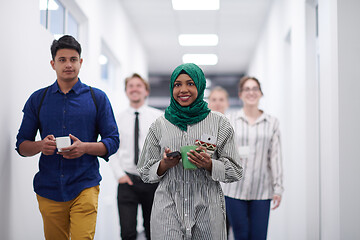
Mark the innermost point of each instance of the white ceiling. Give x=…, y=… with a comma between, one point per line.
x=238, y=24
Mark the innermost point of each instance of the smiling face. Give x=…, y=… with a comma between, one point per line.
x=184, y=90
x=67, y=64
x=218, y=101
x=250, y=93
x=136, y=91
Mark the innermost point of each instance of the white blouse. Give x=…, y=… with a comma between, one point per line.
x=259, y=147
x=189, y=204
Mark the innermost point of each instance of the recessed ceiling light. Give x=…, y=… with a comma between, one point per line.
x=200, y=59
x=196, y=4
x=198, y=39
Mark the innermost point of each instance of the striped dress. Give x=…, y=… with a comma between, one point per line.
x=259, y=147
x=189, y=204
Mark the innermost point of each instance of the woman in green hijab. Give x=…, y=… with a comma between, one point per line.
x=189, y=203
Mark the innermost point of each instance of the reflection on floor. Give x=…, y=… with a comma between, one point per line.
x=141, y=236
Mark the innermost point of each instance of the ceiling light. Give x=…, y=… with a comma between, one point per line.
x=196, y=4
x=198, y=39
x=200, y=59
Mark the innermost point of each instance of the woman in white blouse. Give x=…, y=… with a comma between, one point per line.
x=189, y=204
x=258, y=140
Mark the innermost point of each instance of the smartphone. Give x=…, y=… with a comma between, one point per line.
x=174, y=154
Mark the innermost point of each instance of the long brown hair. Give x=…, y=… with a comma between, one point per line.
x=243, y=80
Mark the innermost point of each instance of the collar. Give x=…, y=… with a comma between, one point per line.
x=76, y=88
x=263, y=116
x=140, y=110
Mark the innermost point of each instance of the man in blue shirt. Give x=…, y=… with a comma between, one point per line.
x=67, y=184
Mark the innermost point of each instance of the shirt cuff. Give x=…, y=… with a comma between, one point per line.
x=18, y=145
x=119, y=174
x=278, y=190
x=153, y=176
x=108, y=149
x=218, y=170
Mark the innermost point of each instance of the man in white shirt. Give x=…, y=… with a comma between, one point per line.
x=132, y=190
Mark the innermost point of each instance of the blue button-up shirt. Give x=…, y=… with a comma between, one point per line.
x=61, y=179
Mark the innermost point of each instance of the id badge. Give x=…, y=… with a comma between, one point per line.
x=207, y=141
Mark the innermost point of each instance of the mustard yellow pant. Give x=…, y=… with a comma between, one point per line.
x=75, y=218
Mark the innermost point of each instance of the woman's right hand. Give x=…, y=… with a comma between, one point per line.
x=167, y=162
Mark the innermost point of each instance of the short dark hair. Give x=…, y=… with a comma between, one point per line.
x=135, y=75
x=65, y=41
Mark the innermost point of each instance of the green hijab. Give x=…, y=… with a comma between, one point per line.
x=195, y=112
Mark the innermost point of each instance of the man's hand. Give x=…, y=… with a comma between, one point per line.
x=125, y=179
x=48, y=145
x=77, y=149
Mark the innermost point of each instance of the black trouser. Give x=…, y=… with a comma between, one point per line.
x=128, y=199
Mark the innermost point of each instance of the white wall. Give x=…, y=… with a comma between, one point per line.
x=349, y=116
x=25, y=66
x=329, y=118
x=312, y=86
x=280, y=62
x=312, y=126
x=25, y=48
x=339, y=117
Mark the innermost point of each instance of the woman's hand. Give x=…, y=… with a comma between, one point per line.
x=167, y=162
x=202, y=159
x=276, y=201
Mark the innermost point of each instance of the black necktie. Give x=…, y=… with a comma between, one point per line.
x=136, y=152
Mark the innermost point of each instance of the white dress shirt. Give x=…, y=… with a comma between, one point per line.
x=123, y=160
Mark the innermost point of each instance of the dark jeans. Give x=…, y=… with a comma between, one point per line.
x=128, y=199
x=248, y=219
